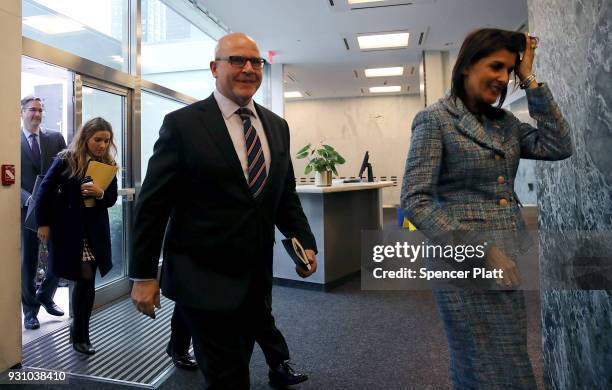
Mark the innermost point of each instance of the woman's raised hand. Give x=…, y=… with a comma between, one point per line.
x=525, y=68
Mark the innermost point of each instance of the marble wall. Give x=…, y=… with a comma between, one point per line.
x=575, y=195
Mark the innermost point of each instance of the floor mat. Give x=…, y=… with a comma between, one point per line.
x=130, y=347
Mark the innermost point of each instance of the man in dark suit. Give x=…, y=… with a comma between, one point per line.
x=221, y=178
x=38, y=148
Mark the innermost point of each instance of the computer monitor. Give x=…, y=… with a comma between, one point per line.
x=366, y=165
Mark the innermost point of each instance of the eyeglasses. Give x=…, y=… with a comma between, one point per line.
x=32, y=109
x=240, y=61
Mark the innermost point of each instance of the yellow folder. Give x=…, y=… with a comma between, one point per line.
x=102, y=175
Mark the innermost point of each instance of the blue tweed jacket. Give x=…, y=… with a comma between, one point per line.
x=460, y=172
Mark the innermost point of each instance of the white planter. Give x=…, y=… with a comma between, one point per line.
x=323, y=179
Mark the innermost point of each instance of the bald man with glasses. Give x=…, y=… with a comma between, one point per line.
x=220, y=179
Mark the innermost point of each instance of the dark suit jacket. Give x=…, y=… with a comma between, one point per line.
x=219, y=239
x=60, y=206
x=51, y=143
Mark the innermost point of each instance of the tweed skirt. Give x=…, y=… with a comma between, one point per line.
x=487, y=337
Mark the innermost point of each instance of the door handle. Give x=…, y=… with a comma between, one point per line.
x=128, y=193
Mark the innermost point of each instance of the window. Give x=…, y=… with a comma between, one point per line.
x=175, y=53
x=54, y=86
x=93, y=29
x=154, y=108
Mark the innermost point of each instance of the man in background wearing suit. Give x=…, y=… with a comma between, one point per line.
x=38, y=148
x=221, y=179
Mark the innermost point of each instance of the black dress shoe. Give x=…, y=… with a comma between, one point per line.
x=85, y=348
x=283, y=375
x=52, y=308
x=31, y=323
x=184, y=361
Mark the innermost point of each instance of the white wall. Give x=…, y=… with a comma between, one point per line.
x=10, y=288
x=448, y=62
x=435, y=74
x=380, y=125
x=277, y=104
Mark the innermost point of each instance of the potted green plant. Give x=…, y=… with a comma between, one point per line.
x=322, y=161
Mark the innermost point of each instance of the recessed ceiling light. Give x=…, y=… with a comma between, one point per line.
x=390, y=88
x=52, y=24
x=293, y=94
x=363, y=1
x=382, y=72
x=383, y=41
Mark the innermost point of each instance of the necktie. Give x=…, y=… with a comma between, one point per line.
x=35, y=149
x=255, y=157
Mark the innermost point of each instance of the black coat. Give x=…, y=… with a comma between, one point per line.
x=60, y=206
x=218, y=238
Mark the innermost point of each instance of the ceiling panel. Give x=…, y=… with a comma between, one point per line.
x=308, y=35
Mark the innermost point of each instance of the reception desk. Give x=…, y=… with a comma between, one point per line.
x=337, y=214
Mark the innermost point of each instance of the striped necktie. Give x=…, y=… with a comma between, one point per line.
x=255, y=157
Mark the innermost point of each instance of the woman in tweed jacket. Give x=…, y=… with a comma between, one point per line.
x=459, y=176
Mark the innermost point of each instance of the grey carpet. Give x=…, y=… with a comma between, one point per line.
x=352, y=339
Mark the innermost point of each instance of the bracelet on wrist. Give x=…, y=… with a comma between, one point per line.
x=527, y=82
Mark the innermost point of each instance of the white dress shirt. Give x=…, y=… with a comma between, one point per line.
x=234, y=126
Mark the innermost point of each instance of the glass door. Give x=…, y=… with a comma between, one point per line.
x=95, y=98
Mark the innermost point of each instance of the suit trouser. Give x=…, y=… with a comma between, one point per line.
x=269, y=337
x=223, y=342
x=30, y=298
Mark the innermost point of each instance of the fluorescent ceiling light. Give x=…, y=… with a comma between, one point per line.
x=383, y=72
x=383, y=41
x=363, y=1
x=52, y=24
x=293, y=94
x=390, y=88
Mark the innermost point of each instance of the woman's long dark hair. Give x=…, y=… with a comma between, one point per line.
x=478, y=45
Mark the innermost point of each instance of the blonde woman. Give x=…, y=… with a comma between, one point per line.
x=79, y=237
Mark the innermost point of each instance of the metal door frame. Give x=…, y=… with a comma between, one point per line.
x=111, y=291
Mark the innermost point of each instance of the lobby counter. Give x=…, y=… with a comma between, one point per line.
x=337, y=214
